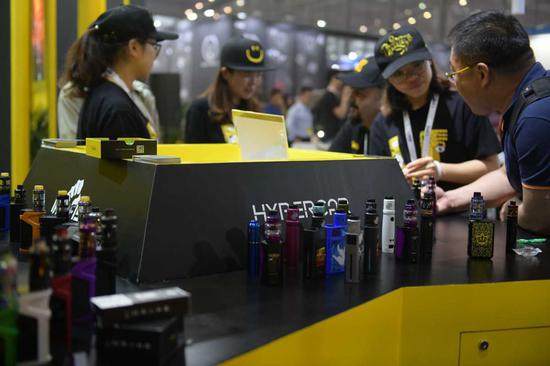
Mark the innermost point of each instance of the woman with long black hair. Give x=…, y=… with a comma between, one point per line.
x=118, y=48
x=426, y=125
x=208, y=118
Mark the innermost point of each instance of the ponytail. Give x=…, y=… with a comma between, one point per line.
x=87, y=59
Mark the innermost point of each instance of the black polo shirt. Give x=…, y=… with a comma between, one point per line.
x=458, y=135
x=351, y=138
x=324, y=117
x=108, y=111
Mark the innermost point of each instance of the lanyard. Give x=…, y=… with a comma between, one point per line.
x=427, y=130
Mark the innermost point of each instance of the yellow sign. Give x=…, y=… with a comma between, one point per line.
x=255, y=54
x=361, y=64
x=396, y=44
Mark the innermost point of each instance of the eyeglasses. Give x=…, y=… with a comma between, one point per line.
x=157, y=46
x=451, y=75
x=415, y=69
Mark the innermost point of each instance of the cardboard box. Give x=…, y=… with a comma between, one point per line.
x=121, y=148
x=141, y=306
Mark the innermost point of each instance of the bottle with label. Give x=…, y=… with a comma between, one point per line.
x=5, y=192
x=30, y=218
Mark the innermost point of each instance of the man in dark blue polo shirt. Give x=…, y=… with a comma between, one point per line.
x=492, y=63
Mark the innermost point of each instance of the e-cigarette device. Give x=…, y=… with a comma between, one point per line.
x=33, y=343
x=84, y=272
x=427, y=227
x=336, y=248
x=292, y=242
x=5, y=192
x=30, y=218
x=107, y=254
x=16, y=206
x=354, y=251
x=481, y=232
x=273, y=251
x=370, y=242
x=343, y=205
x=388, y=225
x=254, y=249
x=511, y=227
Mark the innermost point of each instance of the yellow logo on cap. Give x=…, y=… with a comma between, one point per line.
x=256, y=49
x=361, y=64
x=396, y=44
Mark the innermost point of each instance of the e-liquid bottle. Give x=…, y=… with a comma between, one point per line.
x=292, y=242
x=107, y=254
x=16, y=206
x=62, y=205
x=30, y=218
x=8, y=309
x=84, y=207
x=33, y=343
x=5, y=192
x=511, y=227
x=273, y=250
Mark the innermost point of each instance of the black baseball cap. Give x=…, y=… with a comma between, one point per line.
x=398, y=48
x=122, y=23
x=366, y=74
x=243, y=54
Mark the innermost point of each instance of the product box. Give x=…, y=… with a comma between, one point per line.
x=141, y=306
x=121, y=148
x=151, y=342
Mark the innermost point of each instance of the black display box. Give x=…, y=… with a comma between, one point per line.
x=185, y=220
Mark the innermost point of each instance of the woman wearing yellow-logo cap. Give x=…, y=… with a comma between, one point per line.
x=208, y=118
x=426, y=126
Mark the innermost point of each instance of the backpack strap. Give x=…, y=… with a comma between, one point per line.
x=534, y=91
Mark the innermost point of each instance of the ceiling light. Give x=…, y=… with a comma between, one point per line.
x=241, y=15
x=199, y=5
x=209, y=13
x=427, y=15
x=239, y=2
x=396, y=26
x=321, y=23
x=158, y=24
x=227, y=10
x=421, y=6
x=411, y=20
x=382, y=31
x=408, y=12
x=189, y=11
x=192, y=16
x=462, y=2
x=352, y=55
x=363, y=29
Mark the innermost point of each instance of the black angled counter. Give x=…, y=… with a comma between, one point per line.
x=189, y=219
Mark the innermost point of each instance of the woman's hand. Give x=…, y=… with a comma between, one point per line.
x=423, y=168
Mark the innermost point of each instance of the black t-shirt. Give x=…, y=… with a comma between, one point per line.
x=351, y=138
x=324, y=118
x=109, y=112
x=457, y=134
x=200, y=129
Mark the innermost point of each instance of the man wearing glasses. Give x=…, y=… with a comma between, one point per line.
x=495, y=70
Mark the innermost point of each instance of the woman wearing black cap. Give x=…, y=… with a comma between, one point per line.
x=460, y=146
x=208, y=118
x=117, y=49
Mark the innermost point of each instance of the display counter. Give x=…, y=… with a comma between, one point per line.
x=189, y=219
